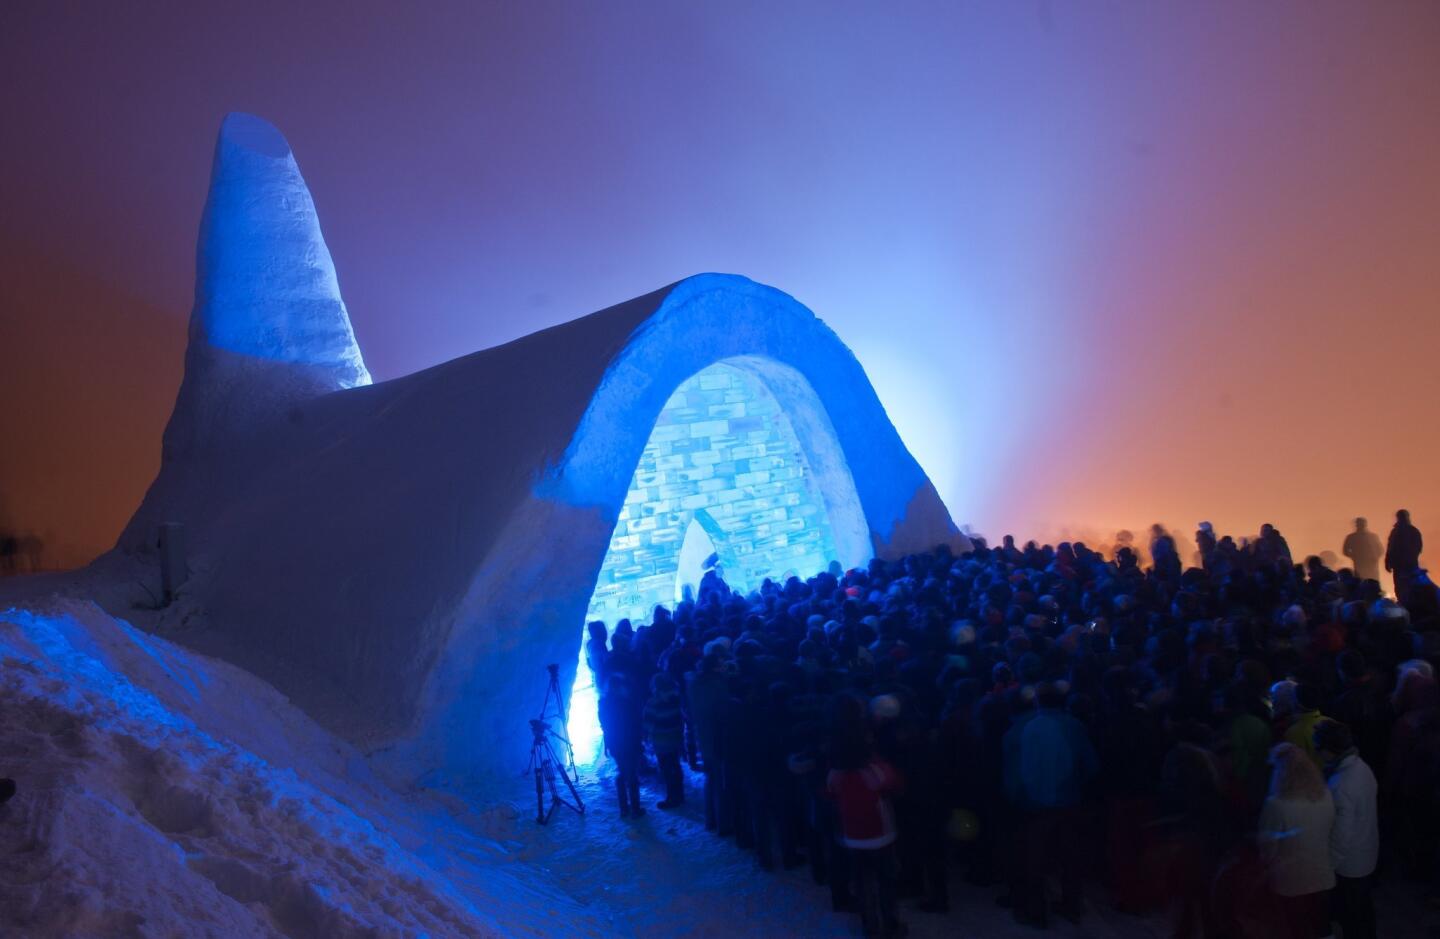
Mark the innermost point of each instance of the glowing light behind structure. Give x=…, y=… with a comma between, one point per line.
x=724, y=456
x=584, y=724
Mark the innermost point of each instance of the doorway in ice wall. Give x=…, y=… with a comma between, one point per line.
x=723, y=474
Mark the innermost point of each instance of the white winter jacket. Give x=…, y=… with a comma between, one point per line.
x=1295, y=842
x=1355, y=837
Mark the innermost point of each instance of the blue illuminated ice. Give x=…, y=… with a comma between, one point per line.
x=723, y=460
x=266, y=284
x=269, y=331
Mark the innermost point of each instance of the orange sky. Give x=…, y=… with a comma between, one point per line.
x=1105, y=263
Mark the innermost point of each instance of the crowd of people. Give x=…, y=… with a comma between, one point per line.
x=1242, y=742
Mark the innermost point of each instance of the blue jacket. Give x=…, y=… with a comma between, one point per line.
x=1048, y=760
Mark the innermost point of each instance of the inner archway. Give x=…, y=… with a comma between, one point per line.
x=730, y=470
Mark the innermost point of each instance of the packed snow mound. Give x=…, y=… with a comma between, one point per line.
x=133, y=819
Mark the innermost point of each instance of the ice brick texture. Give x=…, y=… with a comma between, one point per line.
x=722, y=454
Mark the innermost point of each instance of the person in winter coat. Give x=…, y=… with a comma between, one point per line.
x=1192, y=816
x=1294, y=837
x=861, y=784
x=1361, y=706
x=597, y=659
x=1402, y=553
x=665, y=726
x=707, y=686
x=621, y=706
x=1297, y=711
x=1249, y=739
x=596, y=655
x=1271, y=548
x=1411, y=780
x=677, y=662
x=1362, y=547
x=1205, y=543
x=1049, y=763
x=1355, y=836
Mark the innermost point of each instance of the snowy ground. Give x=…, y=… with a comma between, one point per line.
x=166, y=794
x=672, y=878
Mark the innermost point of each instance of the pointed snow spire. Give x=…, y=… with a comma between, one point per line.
x=268, y=332
x=265, y=285
x=269, y=328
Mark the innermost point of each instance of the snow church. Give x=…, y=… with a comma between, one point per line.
x=404, y=558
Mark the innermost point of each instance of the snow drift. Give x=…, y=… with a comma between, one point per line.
x=163, y=794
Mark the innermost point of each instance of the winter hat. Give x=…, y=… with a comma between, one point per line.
x=1414, y=665
x=1282, y=697
x=884, y=707
x=962, y=632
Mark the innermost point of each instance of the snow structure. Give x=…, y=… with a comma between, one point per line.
x=404, y=558
x=268, y=329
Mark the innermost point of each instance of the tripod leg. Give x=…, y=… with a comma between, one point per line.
x=554, y=688
x=554, y=799
x=579, y=804
x=540, y=815
x=574, y=793
x=559, y=700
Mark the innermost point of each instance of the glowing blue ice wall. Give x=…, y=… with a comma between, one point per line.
x=722, y=453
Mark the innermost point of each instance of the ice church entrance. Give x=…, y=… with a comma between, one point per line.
x=723, y=473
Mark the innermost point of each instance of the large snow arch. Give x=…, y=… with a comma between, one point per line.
x=757, y=478
x=404, y=558
x=726, y=455
x=547, y=561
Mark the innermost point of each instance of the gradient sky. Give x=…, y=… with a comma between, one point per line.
x=1105, y=263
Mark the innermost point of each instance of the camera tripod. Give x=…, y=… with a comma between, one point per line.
x=545, y=764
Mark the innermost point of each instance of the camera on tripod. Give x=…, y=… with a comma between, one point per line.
x=545, y=763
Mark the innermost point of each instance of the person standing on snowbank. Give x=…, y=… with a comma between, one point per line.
x=1362, y=547
x=1402, y=554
